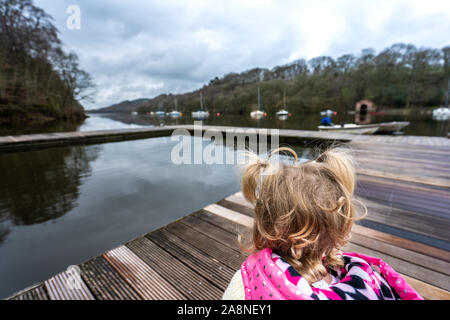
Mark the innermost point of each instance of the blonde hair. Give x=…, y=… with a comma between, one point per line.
x=304, y=212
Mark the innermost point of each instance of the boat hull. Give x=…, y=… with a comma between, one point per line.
x=200, y=114
x=371, y=129
x=282, y=113
x=390, y=127
x=257, y=114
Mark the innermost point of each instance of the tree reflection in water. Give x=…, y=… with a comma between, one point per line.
x=41, y=185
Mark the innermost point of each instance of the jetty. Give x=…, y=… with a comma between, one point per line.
x=404, y=181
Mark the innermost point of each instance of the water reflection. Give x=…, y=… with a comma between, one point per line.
x=38, y=186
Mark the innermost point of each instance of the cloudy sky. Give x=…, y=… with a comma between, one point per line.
x=141, y=48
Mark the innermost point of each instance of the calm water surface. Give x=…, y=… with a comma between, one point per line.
x=420, y=124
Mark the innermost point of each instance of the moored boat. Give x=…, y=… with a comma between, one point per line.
x=351, y=128
x=441, y=114
x=391, y=127
x=175, y=114
x=200, y=114
x=283, y=113
x=258, y=114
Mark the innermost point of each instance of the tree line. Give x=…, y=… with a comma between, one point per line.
x=38, y=79
x=400, y=76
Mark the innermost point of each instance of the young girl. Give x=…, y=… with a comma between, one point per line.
x=303, y=216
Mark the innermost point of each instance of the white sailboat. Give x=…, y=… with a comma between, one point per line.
x=283, y=113
x=443, y=113
x=200, y=114
x=160, y=113
x=258, y=114
x=175, y=113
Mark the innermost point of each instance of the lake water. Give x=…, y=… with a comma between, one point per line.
x=420, y=124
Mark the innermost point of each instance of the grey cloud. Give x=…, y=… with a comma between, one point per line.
x=139, y=49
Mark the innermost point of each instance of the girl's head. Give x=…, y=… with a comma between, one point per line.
x=304, y=212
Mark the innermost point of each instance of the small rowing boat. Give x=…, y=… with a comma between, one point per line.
x=391, y=127
x=351, y=128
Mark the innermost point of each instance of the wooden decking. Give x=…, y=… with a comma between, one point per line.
x=404, y=182
x=195, y=258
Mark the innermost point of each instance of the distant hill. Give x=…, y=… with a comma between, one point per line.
x=400, y=76
x=124, y=106
x=191, y=100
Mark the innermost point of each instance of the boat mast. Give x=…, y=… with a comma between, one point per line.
x=448, y=92
x=260, y=105
x=176, y=104
x=201, y=101
x=284, y=98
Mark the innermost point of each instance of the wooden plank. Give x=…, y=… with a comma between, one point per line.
x=422, y=180
x=230, y=215
x=411, y=221
x=221, y=222
x=415, y=271
x=427, y=291
x=210, y=246
x=226, y=238
x=402, y=243
x=104, y=282
x=65, y=286
x=239, y=199
x=241, y=208
x=36, y=292
x=178, y=274
x=141, y=277
x=397, y=241
x=390, y=183
x=404, y=254
x=208, y=267
x=430, y=202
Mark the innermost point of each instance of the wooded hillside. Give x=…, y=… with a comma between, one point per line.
x=39, y=81
x=400, y=76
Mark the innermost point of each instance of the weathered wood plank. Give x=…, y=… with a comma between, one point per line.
x=431, y=227
x=397, y=241
x=141, y=277
x=434, y=278
x=178, y=274
x=210, y=246
x=226, y=238
x=402, y=243
x=427, y=291
x=205, y=265
x=407, y=255
x=221, y=222
x=104, y=282
x=230, y=215
x=36, y=292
